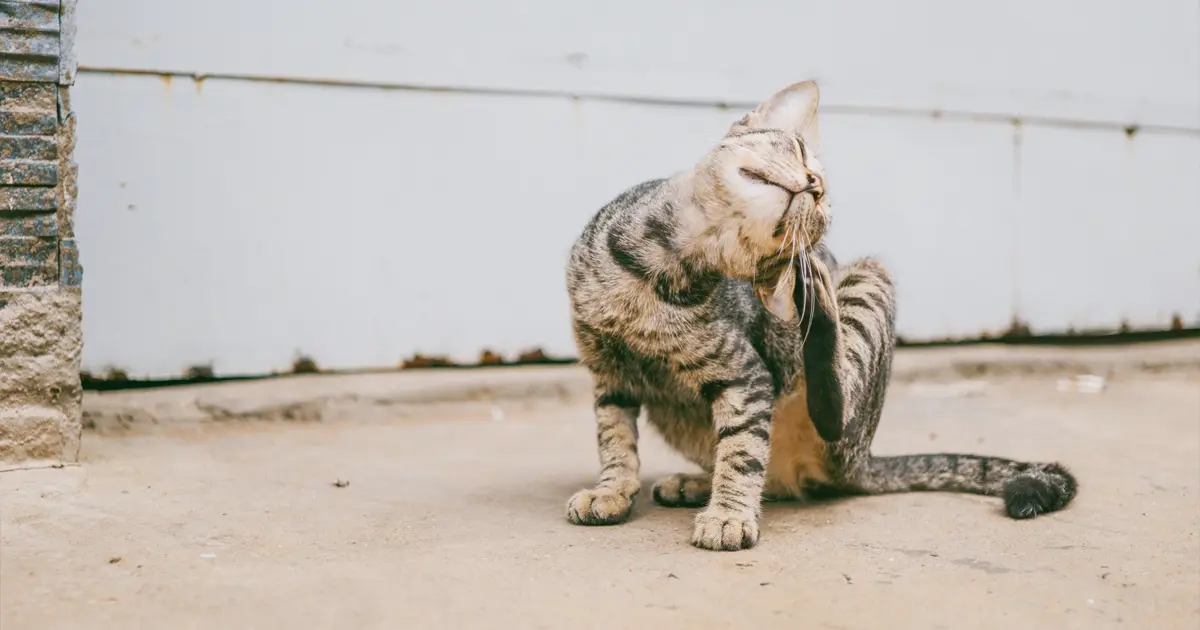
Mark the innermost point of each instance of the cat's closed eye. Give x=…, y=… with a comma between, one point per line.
x=760, y=178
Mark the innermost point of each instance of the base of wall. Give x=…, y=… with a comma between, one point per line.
x=40, y=394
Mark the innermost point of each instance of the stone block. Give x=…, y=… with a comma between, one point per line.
x=40, y=345
x=28, y=261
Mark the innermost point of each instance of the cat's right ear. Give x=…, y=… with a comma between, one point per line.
x=792, y=109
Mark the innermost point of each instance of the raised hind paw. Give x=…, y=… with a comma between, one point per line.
x=683, y=490
x=598, y=506
x=725, y=530
x=821, y=319
x=1038, y=492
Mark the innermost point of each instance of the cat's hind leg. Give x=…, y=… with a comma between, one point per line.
x=866, y=342
x=683, y=490
x=688, y=430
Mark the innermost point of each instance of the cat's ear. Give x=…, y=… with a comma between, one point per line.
x=792, y=109
x=778, y=297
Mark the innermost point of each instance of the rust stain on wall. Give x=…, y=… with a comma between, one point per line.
x=199, y=373
x=487, y=357
x=1017, y=329
x=419, y=360
x=304, y=364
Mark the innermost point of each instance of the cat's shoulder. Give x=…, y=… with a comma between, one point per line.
x=626, y=204
x=636, y=195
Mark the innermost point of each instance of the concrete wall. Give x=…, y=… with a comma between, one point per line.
x=363, y=180
x=40, y=335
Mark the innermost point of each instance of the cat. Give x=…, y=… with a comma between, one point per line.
x=709, y=301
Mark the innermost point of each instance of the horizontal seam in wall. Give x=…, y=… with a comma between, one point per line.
x=866, y=110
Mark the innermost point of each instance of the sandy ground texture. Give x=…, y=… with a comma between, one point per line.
x=383, y=509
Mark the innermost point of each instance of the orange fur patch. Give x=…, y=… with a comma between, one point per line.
x=797, y=452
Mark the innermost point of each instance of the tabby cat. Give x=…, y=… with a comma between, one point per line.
x=709, y=301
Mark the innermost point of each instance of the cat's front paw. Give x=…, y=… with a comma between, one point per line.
x=725, y=530
x=598, y=506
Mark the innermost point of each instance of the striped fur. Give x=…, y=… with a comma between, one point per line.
x=767, y=369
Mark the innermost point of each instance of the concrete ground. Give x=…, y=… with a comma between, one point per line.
x=436, y=500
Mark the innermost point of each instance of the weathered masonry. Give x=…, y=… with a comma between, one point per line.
x=40, y=336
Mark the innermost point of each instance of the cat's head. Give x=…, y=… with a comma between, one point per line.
x=761, y=195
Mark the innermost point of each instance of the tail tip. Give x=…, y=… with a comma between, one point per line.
x=1040, y=491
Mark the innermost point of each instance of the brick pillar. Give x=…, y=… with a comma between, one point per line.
x=40, y=335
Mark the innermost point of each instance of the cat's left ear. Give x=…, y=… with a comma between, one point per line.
x=792, y=109
x=777, y=296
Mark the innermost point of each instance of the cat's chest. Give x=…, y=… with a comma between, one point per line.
x=647, y=325
x=622, y=364
x=637, y=314
x=651, y=379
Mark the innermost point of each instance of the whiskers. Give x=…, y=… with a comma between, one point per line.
x=795, y=243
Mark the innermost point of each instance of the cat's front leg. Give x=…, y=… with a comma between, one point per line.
x=616, y=434
x=741, y=409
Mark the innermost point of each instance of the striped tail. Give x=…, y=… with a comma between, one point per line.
x=861, y=359
x=1028, y=489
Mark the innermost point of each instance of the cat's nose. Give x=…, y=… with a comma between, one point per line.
x=815, y=186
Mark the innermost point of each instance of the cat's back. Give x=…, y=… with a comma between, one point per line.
x=591, y=247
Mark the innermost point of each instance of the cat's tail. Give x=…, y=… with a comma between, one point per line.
x=1028, y=489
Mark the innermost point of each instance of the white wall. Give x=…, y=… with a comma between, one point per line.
x=981, y=153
